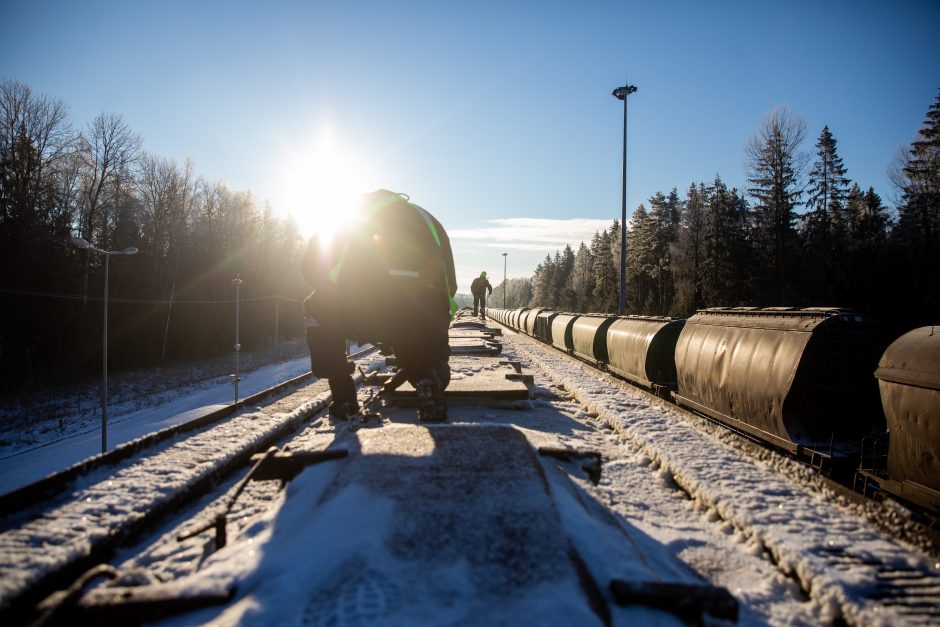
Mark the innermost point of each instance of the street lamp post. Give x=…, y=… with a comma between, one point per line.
x=621, y=93
x=504, y=279
x=130, y=250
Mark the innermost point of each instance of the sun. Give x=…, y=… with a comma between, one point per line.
x=320, y=185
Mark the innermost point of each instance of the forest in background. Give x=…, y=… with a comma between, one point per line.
x=802, y=234
x=173, y=301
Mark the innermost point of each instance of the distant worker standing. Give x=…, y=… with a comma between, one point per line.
x=479, y=289
x=386, y=278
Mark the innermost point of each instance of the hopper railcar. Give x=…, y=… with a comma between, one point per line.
x=805, y=381
x=909, y=378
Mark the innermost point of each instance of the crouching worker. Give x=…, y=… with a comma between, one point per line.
x=386, y=278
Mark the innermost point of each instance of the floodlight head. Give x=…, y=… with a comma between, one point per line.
x=621, y=93
x=130, y=250
x=80, y=243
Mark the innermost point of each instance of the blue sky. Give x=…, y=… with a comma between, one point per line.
x=495, y=116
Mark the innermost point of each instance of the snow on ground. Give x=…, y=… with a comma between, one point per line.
x=21, y=464
x=112, y=497
x=676, y=497
x=662, y=526
x=768, y=512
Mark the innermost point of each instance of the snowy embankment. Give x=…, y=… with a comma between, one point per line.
x=23, y=461
x=803, y=530
x=112, y=500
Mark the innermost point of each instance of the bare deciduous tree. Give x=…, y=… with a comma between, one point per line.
x=109, y=149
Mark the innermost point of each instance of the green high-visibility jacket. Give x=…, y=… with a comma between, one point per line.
x=394, y=250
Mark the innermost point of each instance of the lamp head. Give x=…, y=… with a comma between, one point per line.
x=621, y=93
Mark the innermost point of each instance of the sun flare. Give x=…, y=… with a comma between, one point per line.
x=321, y=185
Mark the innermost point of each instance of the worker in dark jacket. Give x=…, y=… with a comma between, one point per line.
x=479, y=289
x=388, y=279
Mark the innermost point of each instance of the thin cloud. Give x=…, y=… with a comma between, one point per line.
x=539, y=234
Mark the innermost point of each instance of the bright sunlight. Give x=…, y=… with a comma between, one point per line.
x=320, y=185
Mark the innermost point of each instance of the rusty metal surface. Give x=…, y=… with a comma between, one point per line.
x=589, y=336
x=543, y=325
x=561, y=331
x=794, y=375
x=643, y=349
x=909, y=378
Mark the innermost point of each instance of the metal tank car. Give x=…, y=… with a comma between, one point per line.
x=909, y=377
x=807, y=381
x=799, y=379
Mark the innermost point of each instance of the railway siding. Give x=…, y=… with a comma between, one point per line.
x=67, y=538
x=807, y=535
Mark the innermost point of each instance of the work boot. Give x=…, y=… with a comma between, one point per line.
x=431, y=405
x=343, y=410
x=344, y=402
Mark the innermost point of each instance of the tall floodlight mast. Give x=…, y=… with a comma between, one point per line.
x=621, y=93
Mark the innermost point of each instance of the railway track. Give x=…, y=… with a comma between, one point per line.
x=72, y=516
x=639, y=493
x=851, y=567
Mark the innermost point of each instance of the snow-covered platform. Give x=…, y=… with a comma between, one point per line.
x=476, y=378
x=444, y=524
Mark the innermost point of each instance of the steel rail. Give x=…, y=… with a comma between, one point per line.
x=46, y=488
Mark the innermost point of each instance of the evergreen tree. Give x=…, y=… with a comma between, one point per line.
x=613, y=235
x=867, y=222
x=664, y=213
x=565, y=280
x=774, y=173
x=605, y=294
x=917, y=233
x=641, y=262
x=582, y=279
x=723, y=246
x=543, y=284
x=825, y=227
x=689, y=252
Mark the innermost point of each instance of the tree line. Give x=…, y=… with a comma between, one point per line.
x=801, y=234
x=172, y=301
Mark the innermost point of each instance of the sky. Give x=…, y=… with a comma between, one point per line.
x=497, y=117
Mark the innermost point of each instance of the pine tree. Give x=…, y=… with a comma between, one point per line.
x=582, y=279
x=613, y=236
x=689, y=252
x=664, y=214
x=917, y=233
x=605, y=294
x=825, y=227
x=724, y=245
x=867, y=222
x=545, y=290
x=564, y=279
x=641, y=262
x=774, y=173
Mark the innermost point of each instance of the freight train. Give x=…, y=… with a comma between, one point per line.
x=814, y=382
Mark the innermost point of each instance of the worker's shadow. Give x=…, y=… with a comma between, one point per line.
x=467, y=511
